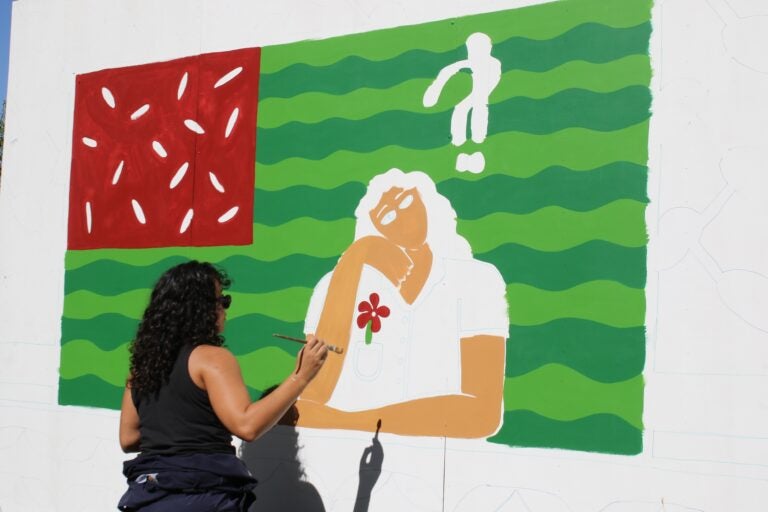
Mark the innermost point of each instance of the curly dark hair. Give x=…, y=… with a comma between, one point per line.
x=183, y=309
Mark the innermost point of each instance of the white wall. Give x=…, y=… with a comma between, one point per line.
x=706, y=408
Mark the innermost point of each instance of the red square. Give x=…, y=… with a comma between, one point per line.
x=164, y=154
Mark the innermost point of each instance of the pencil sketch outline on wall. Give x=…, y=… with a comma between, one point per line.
x=473, y=110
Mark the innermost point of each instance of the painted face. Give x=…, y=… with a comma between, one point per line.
x=401, y=217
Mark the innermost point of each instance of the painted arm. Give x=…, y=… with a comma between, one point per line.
x=129, y=423
x=475, y=413
x=339, y=308
x=432, y=94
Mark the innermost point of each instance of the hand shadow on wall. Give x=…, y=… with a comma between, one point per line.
x=273, y=459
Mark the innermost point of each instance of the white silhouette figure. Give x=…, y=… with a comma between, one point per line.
x=486, y=73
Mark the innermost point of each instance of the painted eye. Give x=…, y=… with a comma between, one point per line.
x=405, y=203
x=388, y=217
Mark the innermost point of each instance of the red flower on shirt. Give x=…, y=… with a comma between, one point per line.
x=371, y=312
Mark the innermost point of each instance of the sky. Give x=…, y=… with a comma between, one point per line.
x=5, y=36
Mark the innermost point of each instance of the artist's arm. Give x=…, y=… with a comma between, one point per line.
x=219, y=373
x=432, y=94
x=339, y=308
x=475, y=413
x=129, y=423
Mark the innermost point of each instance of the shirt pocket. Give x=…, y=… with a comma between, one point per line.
x=369, y=360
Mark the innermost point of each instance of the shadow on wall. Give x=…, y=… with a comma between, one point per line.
x=273, y=459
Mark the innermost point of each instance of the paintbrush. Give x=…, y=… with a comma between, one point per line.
x=332, y=348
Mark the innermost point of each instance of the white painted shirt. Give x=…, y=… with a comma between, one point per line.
x=417, y=351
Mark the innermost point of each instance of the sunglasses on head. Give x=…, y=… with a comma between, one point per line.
x=224, y=301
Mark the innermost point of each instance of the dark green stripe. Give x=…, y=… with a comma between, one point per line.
x=600, y=352
x=107, y=277
x=90, y=391
x=251, y=332
x=555, y=186
x=592, y=261
x=105, y=331
x=566, y=109
x=589, y=42
x=279, y=207
x=602, y=433
x=254, y=276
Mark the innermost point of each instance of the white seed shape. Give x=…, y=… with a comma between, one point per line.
x=229, y=214
x=194, y=126
x=159, y=149
x=229, y=76
x=138, y=212
x=140, y=112
x=215, y=182
x=88, y=216
x=182, y=86
x=90, y=142
x=187, y=221
x=179, y=175
x=109, y=99
x=118, y=172
x=231, y=122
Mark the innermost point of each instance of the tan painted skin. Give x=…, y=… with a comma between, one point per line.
x=216, y=371
x=404, y=257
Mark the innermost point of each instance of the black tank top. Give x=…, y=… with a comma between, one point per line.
x=180, y=419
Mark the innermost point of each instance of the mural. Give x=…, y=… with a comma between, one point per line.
x=513, y=292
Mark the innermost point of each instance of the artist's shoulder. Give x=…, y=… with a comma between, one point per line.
x=206, y=355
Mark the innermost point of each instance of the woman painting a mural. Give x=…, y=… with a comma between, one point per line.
x=185, y=398
x=422, y=323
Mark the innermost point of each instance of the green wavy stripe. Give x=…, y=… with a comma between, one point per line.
x=589, y=42
x=90, y=391
x=553, y=228
x=261, y=368
x=560, y=393
x=107, y=277
x=516, y=154
x=601, y=433
x=301, y=236
x=592, y=261
x=287, y=304
x=83, y=304
x=278, y=207
x=247, y=333
x=605, y=302
x=248, y=275
x=600, y=352
x=539, y=22
x=566, y=109
x=81, y=357
x=266, y=367
x=107, y=331
x=555, y=186
x=313, y=107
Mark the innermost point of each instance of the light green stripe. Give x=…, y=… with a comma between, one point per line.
x=520, y=155
x=560, y=393
x=363, y=103
x=81, y=357
x=605, y=302
x=554, y=228
x=287, y=305
x=535, y=22
x=261, y=368
x=321, y=239
x=266, y=367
